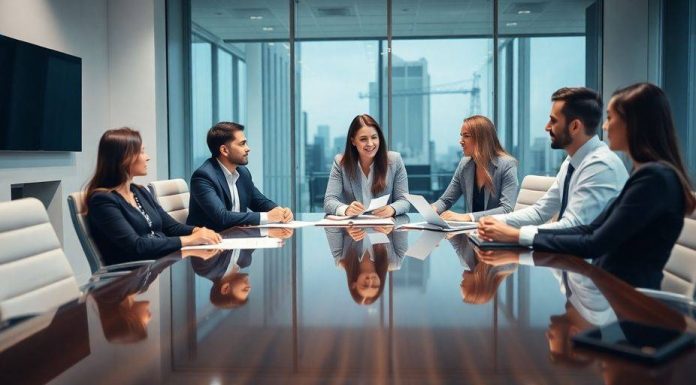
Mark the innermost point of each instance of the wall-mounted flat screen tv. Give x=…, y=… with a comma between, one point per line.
x=40, y=98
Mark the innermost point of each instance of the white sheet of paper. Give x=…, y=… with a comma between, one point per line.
x=377, y=238
x=425, y=244
x=376, y=203
x=240, y=243
x=289, y=225
x=344, y=217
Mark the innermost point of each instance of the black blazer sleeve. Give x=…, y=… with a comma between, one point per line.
x=646, y=196
x=170, y=226
x=105, y=213
x=204, y=193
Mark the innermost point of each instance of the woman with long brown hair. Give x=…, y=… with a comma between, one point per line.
x=125, y=221
x=634, y=235
x=364, y=171
x=486, y=176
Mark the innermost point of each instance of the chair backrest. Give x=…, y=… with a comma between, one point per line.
x=680, y=270
x=35, y=274
x=533, y=187
x=173, y=196
x=78, y=214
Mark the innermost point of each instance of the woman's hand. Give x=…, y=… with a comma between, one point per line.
x=201, y=236
x=452, y=216
x=384, y=212
x=355, y=208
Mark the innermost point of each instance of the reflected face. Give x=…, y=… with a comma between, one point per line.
x=466, y=140
x=139, y=165
x=615, y=128
x=558, y=127
x=142, y=311
x=367, y=284
x=237, y=150
x=366, y=141
x=241, y=288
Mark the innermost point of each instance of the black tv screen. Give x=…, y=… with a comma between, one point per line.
x=40, y=98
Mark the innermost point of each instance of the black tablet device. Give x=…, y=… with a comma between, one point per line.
x=636, y=341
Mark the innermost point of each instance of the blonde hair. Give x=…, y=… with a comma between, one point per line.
x=486, y=144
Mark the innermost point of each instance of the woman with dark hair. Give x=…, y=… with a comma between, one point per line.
x=364, y=171
x=634, y=235
x=486, y=175
x=125, y=221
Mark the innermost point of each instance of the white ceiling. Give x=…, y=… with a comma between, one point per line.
x=238, y=20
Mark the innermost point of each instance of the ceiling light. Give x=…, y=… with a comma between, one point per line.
x=512, y=24
x=524, y=12
x=267, y=29
x=255, y=17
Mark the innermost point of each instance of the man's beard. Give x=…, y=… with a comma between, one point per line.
x=563, y=140
x=241, y=160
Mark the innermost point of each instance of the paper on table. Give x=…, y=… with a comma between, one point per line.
x=377, y=203
x=344, y=217
x=469, y=226
x=289, y=225
x=240, y=243
x=425, y=244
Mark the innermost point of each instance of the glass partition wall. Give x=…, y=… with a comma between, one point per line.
x=295, y=73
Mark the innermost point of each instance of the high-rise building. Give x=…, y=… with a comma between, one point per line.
x=410, y=109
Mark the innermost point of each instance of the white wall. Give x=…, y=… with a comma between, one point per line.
x=121, y=46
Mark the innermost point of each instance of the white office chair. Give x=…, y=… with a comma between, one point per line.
x=35, y=274
x=173, y=196
x=533, y=187
x=78, y=213
x=680, y=270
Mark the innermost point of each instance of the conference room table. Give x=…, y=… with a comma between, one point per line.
x=301, y=325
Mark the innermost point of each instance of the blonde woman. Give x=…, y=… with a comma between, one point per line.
x=486, y=175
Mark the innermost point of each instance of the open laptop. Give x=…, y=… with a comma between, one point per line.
x=432, y=220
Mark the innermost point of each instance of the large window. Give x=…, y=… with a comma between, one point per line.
x=295, y=73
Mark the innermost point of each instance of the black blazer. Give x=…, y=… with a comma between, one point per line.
x=210, y=204
x=122, y=234
x=633, y=237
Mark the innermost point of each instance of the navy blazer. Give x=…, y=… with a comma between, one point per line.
x=633, y=237
x=121, y=232
x=210, y=204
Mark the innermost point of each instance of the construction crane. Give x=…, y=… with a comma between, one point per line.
x=458, y=87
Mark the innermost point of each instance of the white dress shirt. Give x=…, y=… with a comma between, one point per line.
x=598, y=178
x=366, y=187
x=232, y=177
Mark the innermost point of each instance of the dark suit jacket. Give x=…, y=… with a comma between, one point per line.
x=215, y=268
x=633, y=237
x=210, y=204
x=122, y=234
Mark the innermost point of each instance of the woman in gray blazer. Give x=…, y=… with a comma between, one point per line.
x=364, y=171
x=486, y=175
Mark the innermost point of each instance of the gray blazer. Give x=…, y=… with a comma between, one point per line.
x=341, y=190
x=503, y=170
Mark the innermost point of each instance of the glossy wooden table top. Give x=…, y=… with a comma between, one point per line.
x=301, y=325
